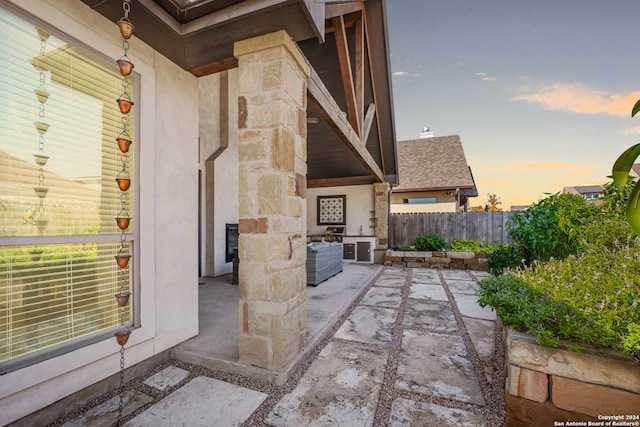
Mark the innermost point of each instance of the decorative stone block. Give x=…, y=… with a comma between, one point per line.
x=592, y=399
x=593, y=365
x=527, y=413
x=532, y=385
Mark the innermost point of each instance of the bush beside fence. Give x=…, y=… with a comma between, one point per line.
x=488, y=227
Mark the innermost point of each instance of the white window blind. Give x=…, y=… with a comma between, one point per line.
x=58, y=274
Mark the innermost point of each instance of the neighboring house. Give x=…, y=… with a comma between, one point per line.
x=260, y=114
x=434, y=176
x=589, y=192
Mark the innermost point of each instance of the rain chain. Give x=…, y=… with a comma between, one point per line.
x=41, y=127
x=124, y=182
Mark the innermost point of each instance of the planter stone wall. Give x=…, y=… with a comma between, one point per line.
x=449, y=260
x=557, y=387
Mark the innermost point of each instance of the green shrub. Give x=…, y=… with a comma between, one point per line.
x=552, y=227
x=460, y=245
x=506, y=256
x=592, y=298
x=430, y=242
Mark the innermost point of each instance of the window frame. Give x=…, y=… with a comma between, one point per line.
x=132, y=238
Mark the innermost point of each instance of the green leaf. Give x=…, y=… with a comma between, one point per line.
x=633, y=209
x=635, y=109
x=623, y=164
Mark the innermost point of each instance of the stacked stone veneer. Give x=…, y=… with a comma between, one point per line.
x=553, y=385
x=450, y=260
x=272, y=208
x=381, y=211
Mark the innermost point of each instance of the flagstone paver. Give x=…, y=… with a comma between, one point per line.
x=406, y=412
x=432, y=315
x=371, y=325
x=382, y=297
x=437, y=365
x=340, y=388
x=463, y=287
x=456, y=274
x=468, y=306
x=106, y=413
x=202, y=402
x=166, y=378
x=426, y=291
x=390, y=280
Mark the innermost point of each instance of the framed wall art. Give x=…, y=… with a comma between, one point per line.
x=332, y=210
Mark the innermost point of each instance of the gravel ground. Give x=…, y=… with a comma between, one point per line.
x=493, y=390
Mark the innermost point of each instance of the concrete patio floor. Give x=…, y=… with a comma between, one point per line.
x=387, y=346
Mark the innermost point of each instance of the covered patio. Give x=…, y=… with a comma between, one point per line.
x=216, y=345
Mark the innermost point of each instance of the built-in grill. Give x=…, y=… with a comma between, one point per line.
x=334, y=234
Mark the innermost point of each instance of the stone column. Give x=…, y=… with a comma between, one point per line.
x=381, y=207
x=272, y=133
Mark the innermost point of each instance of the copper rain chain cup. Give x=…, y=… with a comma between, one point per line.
x=123, y=183
x=125, y=105
x=126, y=28
x=125, y=66
x=122, y=298
x=122, y=335
x=123, y=144
x=123, y=260
x=123, y=222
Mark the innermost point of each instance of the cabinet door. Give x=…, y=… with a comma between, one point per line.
x=349, y=251
x=363, y=251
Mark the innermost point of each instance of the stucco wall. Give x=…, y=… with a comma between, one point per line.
x=167, y=140
x=359, y=208
x=224, y=166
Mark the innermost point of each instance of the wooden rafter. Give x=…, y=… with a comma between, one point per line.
x=375, y=100
x=347, y=75
x=320, y=99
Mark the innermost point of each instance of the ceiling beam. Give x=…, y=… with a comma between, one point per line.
x=340, y=182
x=347, y=74
x=215, y=67
x=332, y=10
x=320, y=98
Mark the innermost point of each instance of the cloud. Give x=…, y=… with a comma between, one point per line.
x=485, y=77
x=579, y=98
x=632, y=131
x=565, y=168
x=401, y=73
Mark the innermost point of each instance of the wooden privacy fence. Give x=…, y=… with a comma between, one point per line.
x=488, y=227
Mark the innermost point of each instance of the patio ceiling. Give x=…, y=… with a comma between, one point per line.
x=353, y=141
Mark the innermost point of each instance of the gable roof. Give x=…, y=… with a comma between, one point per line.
x=436, y=163
x=583, y=189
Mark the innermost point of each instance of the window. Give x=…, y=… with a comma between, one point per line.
x=417, y=200
x=58, y=234
x=592, y=196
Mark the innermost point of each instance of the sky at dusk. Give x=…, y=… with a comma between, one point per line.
x=540, y=92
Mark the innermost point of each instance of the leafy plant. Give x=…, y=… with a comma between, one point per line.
x=621, y=168
x=459, y=245
x=430, y=242
x=506, y=257
x=589, y=297
x=551, y=228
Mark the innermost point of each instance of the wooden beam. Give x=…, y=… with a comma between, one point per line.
x=375, y=97
x=333, y=10
x=339, y=182
x=368, y=122
x=347, y=75
x=215, y=67
x=323, y=102
x=359, y=75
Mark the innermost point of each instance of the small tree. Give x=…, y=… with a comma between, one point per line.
x=492, y=203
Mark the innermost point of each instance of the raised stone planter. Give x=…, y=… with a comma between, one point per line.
x=557, y=387
x=450, y=260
